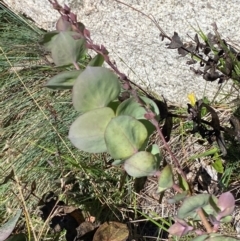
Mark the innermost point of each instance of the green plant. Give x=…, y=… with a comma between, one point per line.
x=120, y=119
x=117, y=119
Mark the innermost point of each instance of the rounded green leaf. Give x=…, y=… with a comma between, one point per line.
x=191, y=204
x=132, y=108
x=124, y=136
x=65, y=49
x=87, y=131
x=95, y=88
x=141, y=164
x=165, y=180
x=64, y=80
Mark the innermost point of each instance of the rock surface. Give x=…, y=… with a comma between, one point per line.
x=133, y=40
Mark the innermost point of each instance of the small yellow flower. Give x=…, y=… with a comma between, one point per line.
x=192, y=99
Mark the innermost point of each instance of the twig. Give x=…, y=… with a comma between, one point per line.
x=204, y=220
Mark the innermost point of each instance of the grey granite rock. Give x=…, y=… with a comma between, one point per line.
x=133, y=40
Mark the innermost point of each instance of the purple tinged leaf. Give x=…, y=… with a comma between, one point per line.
x=176, y=229
x=226, y=200
x=63, y=24
x=179, y=228
x=226, y=203
x=126, y=86
x=199, y=232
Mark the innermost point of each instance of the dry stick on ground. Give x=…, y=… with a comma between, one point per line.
x=100, y=49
